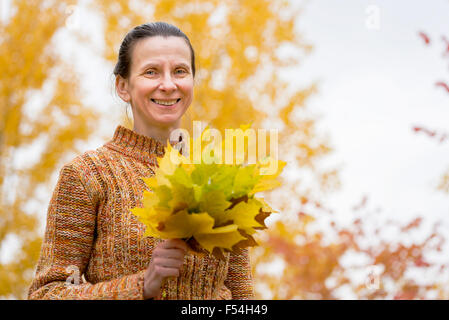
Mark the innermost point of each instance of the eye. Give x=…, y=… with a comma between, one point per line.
x=150, y=72
x=182, y=70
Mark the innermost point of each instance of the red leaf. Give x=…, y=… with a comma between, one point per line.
x=442, y=84
x=425, y=37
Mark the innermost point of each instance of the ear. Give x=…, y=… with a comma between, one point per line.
x=121, y=86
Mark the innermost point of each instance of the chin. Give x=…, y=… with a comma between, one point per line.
x=167, y=119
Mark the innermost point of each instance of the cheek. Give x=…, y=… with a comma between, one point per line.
x=186, y=86
x=188, y=97
x=143, y=88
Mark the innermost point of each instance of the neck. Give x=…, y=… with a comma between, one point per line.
x=160, y=133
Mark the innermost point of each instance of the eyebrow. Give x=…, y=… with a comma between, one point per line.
x=152, y=65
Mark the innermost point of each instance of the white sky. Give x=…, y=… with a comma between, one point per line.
x=374, y=86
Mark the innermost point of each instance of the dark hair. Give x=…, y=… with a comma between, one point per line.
x=143, y=31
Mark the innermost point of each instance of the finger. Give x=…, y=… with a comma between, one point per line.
x=167, y=272
x=175, y=243
x=168, y=262
x=170, y=253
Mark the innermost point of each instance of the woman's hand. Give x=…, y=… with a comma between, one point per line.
x=166, y=261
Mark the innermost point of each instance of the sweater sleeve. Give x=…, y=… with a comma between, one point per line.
x=239, y=279
x=67, y=245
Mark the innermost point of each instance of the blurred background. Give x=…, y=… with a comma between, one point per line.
x=357, y=89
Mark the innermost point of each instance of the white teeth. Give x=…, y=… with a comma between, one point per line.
x=165, y=103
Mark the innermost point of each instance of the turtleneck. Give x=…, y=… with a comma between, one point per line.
x=137, y=146
x=90, y=229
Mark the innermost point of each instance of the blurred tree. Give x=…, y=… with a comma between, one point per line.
x=316, y=266
x=39, y=96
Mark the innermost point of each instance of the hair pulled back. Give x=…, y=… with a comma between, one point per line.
x=145, y=30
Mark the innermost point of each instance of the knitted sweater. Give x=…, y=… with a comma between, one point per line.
x=91, y=232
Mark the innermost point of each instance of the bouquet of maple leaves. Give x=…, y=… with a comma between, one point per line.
x=211, y=206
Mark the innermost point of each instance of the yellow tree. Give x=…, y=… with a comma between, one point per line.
x=41, y=117
x=242, y=48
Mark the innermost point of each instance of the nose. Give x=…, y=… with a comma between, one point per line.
x=167, y=83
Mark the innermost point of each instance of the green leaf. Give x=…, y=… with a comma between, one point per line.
x=202, y=172
x=214, y=202
x=183, y=195
x=164, y=194
x=244, y=181
x=180, y=176
x=223, y=180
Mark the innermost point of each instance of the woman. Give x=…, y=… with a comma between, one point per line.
x=90, y=229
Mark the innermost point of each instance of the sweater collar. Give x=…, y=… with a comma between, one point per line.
x=140, y=147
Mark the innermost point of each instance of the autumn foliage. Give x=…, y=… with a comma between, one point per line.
x=210, y=204
x=39, y=93
x=317, y=263
x=440, y=85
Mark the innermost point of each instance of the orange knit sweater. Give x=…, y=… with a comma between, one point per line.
x=90, y=230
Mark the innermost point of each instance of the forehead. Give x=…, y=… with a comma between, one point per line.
x=160, y=50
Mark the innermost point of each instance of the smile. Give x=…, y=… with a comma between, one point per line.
x=166, y=102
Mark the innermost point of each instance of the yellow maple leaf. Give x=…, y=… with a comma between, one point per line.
x=264, y=206
x=151, y=217
x=210, y=204
x=221, y=237
x=150, y=199
x=151, y=182
x=185, y=225
x=268, y=182
x=243, y=215
x=214, y=202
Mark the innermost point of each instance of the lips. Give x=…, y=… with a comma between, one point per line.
x=165, y=102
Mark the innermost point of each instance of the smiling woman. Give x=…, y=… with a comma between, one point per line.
x=90, y=230
x=158, y=84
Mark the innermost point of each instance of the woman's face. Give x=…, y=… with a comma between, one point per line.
x=160, y=83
